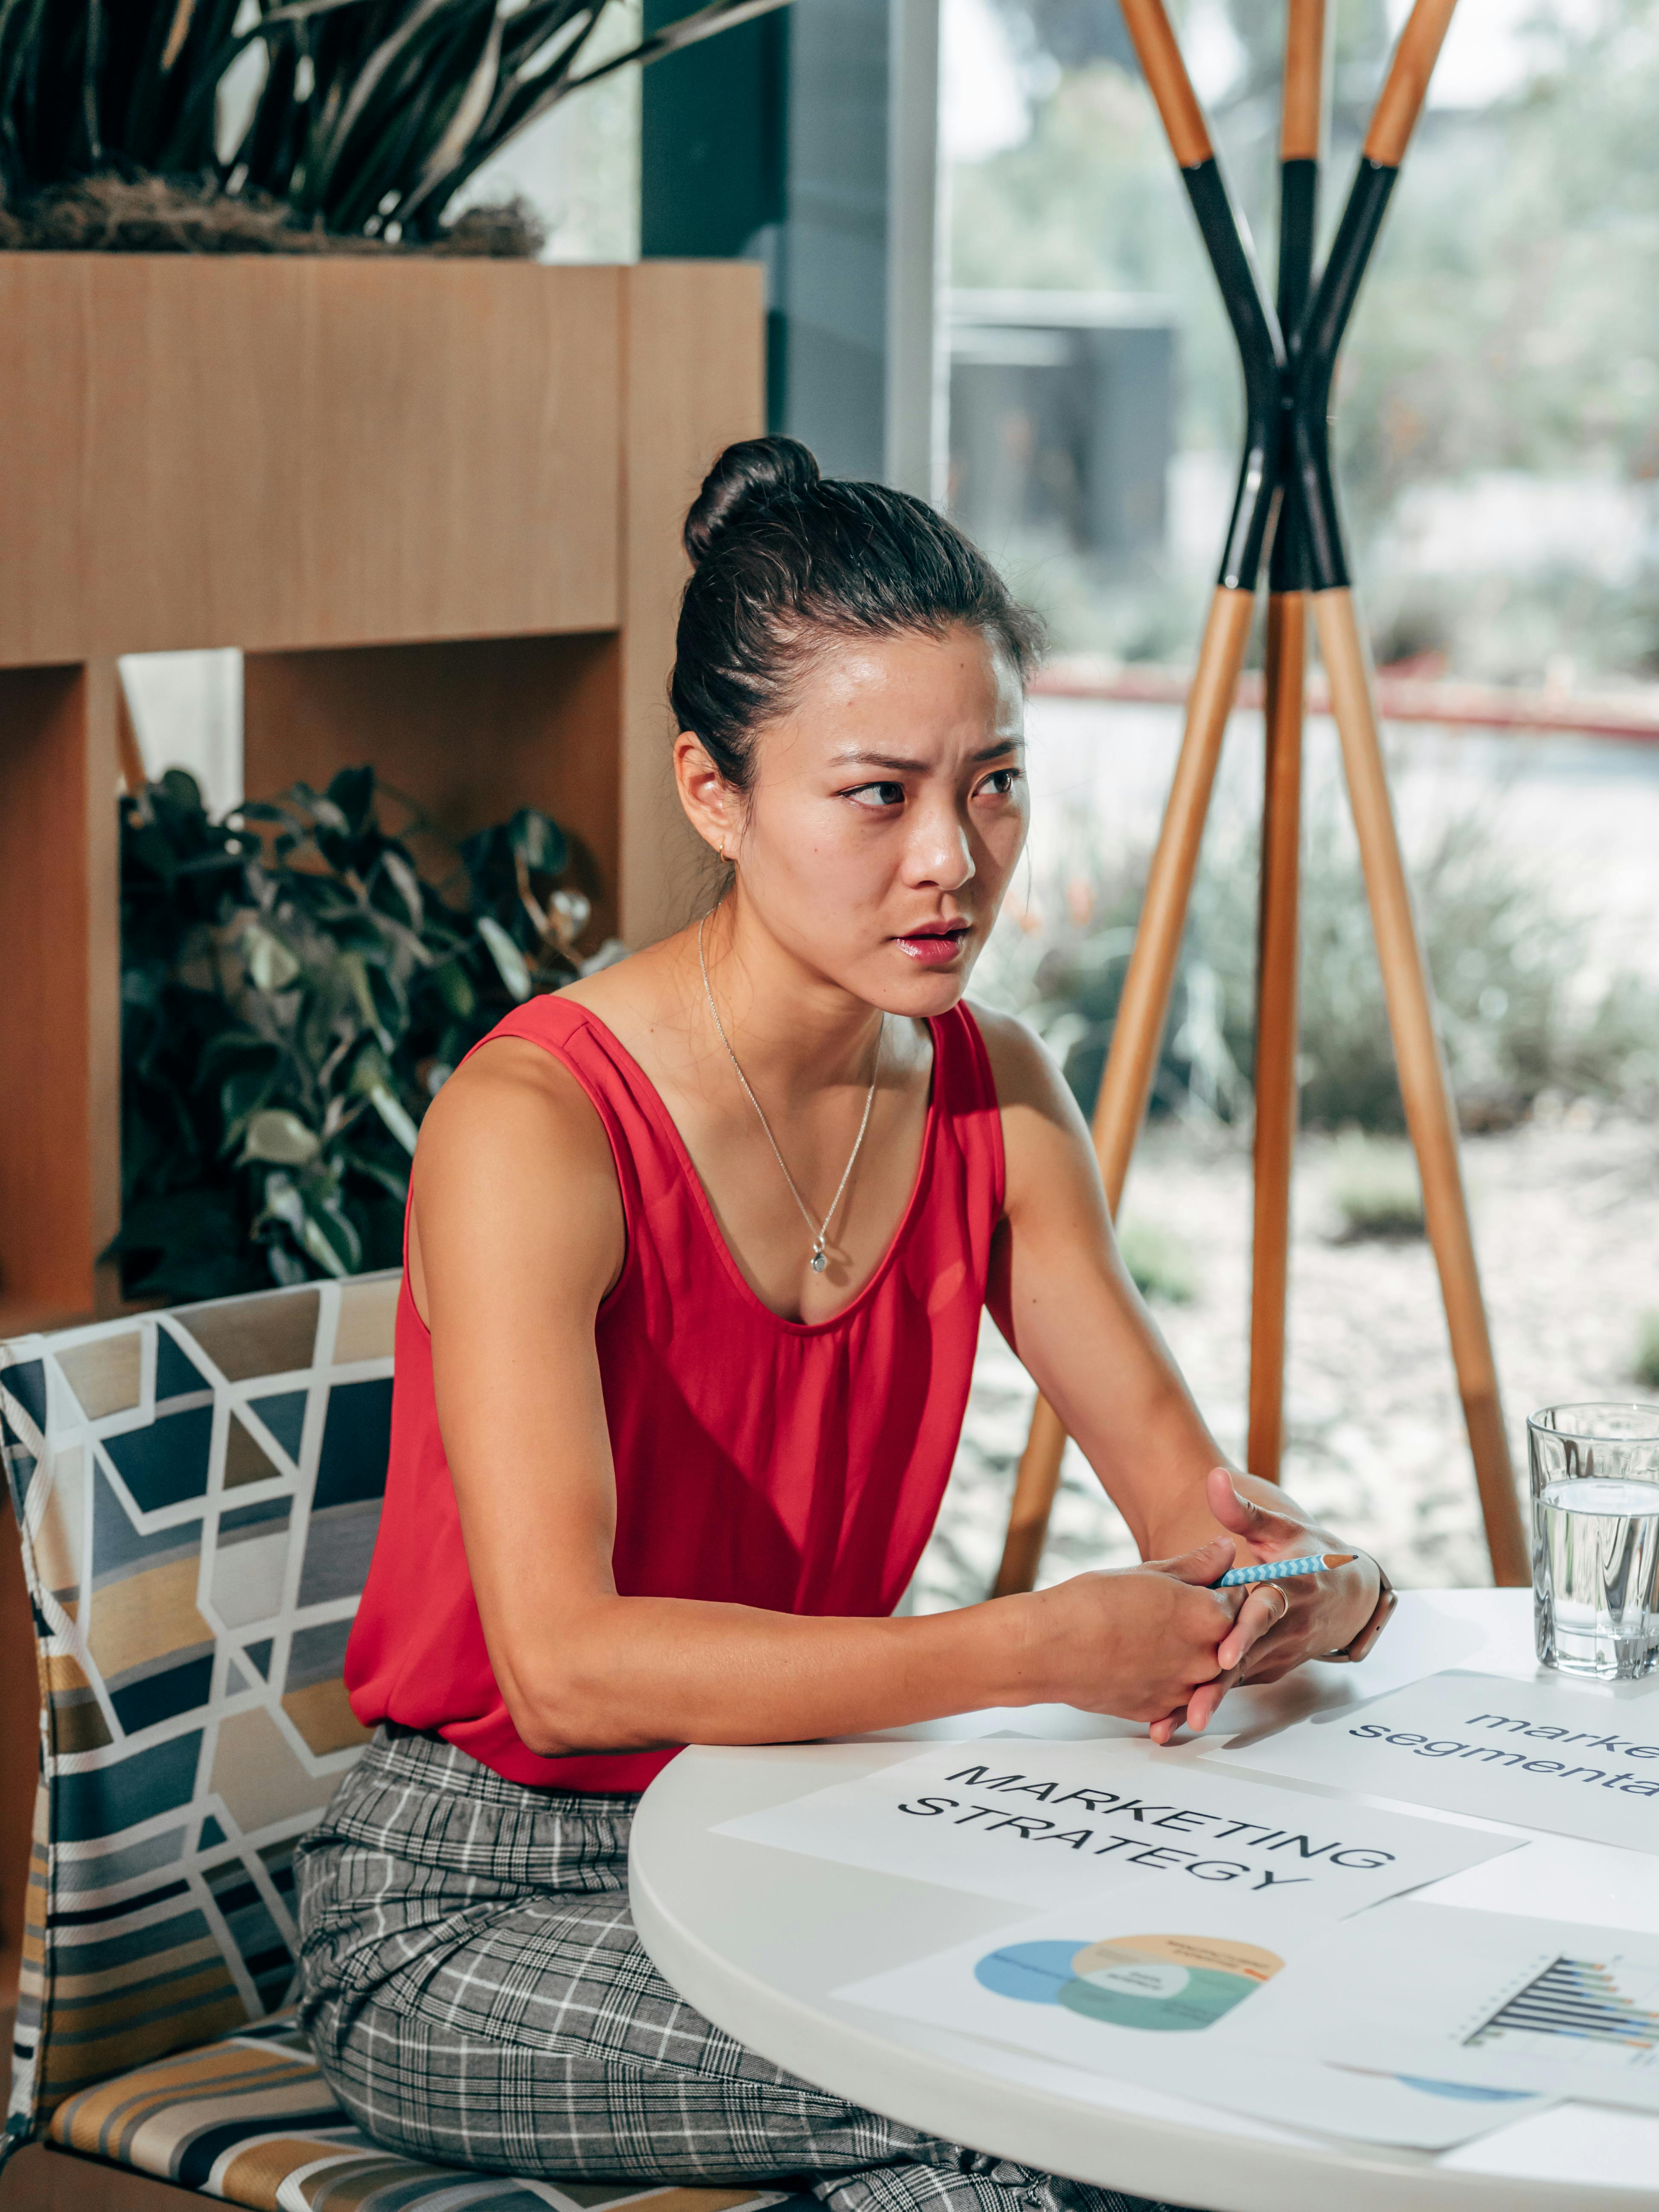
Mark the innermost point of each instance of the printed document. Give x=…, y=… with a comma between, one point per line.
x=1499, y=2003
x=1042, y=1823
x=1578, y=1758
x=1186, y=1992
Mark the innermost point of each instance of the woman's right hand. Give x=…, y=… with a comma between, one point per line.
x=1137, y=1641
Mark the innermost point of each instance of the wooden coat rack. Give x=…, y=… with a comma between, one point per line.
x=1286, y=516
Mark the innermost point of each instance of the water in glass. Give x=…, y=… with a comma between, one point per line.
x=1599, y=1575
x=1596, y=1538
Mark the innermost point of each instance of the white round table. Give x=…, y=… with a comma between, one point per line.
x=757, y=1938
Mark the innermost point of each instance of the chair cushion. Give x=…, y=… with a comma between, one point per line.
x=250, y=2119
x=197, y=1493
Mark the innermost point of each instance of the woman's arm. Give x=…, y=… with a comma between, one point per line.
x=516, y=1236
x=1064, y=1300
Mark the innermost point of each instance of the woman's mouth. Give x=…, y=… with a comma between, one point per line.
x=935, y=947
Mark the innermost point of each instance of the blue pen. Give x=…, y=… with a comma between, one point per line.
x=1275, y=1571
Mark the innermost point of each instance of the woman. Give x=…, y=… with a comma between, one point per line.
x=697, y=1253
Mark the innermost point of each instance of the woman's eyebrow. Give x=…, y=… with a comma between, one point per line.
x=903, y=767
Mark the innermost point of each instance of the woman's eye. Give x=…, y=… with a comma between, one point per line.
x=1001, y=783
x=878, y=794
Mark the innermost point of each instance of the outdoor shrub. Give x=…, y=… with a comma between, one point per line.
x=293, y=995
x=1160, y=1263
x=1374, y=1185
x=1505, y=965
x=1646, y=1368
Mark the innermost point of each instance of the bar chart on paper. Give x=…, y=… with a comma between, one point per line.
x=1502, y=2002
x=1581, y=1999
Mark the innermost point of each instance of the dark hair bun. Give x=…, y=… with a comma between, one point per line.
x=754, y=474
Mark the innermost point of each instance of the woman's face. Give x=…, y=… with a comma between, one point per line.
x=887, y=811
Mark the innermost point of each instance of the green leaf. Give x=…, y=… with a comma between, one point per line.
x=353, y=792
x=407, y=882
x=276, y=1134
x=241, y=1096
x=183, y=790
x=355, y=976
x=323, y=1234
x=385, y=1103
x=456, y=993
x=285, y=1269
x=539, y=841
x=234, y=1048
x=509, y=961
x=268, y=961
x=395, y=1185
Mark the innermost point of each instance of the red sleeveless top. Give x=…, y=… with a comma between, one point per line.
x=790, y=1465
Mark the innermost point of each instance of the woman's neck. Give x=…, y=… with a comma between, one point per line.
x=789, y=1025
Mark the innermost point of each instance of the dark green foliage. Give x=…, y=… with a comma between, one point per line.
x=293, y=994
x=1504, y=961
x=372, y=114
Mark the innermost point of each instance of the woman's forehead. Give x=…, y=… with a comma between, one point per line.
x=961, y=676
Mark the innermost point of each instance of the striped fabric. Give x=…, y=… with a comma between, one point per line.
x=197, y=1493
x=250, y=2119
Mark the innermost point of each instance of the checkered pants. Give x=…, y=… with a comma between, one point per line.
x=476, y=1994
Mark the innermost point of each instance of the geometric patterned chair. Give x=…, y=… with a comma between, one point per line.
x=197, y=1493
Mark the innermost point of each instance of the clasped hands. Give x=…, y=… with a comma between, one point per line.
x=1164, y=1646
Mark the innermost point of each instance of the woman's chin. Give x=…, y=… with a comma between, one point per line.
x=919, y=982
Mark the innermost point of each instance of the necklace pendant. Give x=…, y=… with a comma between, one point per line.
x=820, y=1260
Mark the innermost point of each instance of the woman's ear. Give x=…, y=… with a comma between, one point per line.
x=710, y=803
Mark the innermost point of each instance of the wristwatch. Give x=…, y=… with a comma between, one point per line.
x=1362, y=1645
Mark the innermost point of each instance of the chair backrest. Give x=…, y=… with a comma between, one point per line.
x=197, y=1493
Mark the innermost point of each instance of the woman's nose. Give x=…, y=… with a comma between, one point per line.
x=940, y=852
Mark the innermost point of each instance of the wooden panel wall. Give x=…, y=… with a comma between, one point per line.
x=438, y=506
x=269, y=452
x=695, y=382
x=469, y=731
x=60, y=1003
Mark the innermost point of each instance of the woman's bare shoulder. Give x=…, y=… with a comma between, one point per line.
x=515, y=1191
x=513, y=1145
x=1023, y=1071
x=510, y=1096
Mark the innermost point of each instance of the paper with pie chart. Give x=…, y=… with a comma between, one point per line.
x=1158, y=1984
x=1125, y=1989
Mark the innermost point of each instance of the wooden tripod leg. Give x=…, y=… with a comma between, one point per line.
x=1423, y=1084
x=1036, y=1481
x=1276, y=1028
x=1138, y=1032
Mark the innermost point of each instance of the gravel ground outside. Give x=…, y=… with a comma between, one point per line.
x=1567, y=1217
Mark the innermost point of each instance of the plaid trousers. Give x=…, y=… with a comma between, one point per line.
x=476, y=1994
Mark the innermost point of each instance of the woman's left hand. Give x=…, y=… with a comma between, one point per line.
x=1325, y=1612
x=1340, y=1609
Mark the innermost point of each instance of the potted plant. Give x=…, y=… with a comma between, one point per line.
x=126, y=130
x=293, y=996
x=431, y=488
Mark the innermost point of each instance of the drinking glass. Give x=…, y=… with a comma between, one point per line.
x=1596, y=1538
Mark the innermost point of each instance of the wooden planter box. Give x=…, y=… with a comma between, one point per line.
x=436, y=503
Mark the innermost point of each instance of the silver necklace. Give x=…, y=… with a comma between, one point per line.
x=820, y=1257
